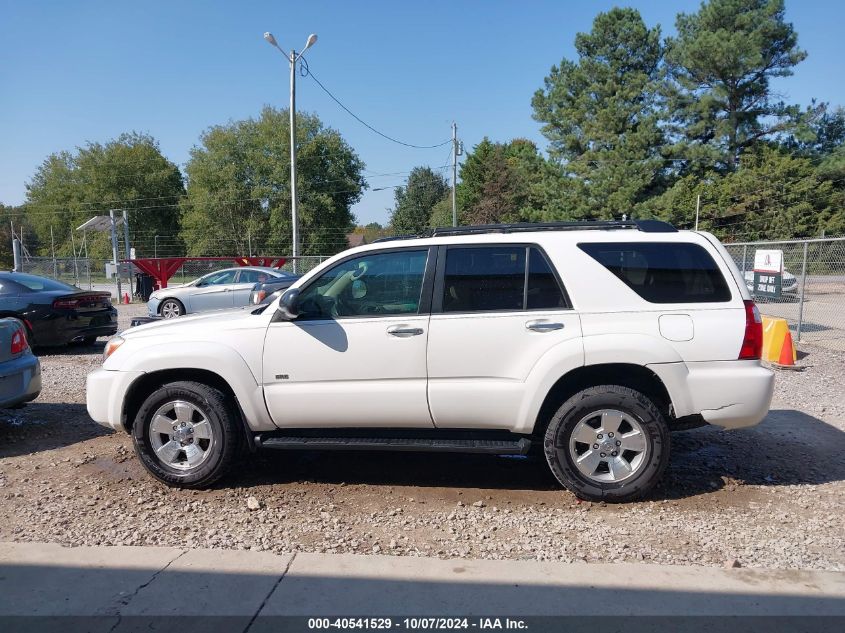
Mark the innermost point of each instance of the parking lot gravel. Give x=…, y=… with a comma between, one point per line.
x=769, y=496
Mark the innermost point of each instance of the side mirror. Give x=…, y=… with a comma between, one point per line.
x=288, y=304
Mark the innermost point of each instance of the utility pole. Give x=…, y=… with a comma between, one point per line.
x=126, y=248
x=114, y=252
x=697, y=209
x=454, y=174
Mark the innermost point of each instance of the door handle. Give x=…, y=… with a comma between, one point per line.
x=543, y=326
x=404, y=332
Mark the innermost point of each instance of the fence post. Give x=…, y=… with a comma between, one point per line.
x=744, y=252
x=803, y=285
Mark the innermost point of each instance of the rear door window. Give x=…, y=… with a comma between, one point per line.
x=501, y=278
x=543, y=291
x=484, y=279
x=663, y=272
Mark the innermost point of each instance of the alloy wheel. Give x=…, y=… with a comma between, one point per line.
x=181, y=435
x=608, y=445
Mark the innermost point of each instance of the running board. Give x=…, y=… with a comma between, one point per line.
x=440, y=445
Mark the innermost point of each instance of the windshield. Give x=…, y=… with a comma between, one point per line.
x=36, y=283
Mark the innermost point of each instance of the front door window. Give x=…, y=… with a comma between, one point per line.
x=374, y=284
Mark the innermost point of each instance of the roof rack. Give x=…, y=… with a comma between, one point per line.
x=646, y=226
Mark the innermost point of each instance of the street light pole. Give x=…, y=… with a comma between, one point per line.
x=292, y=58
x=293, y=200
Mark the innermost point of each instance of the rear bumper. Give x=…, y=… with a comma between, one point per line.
x=104, y=395
x=20, y=380
x=64, y=327
x=728, y=394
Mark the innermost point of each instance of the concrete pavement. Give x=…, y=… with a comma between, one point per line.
x=114, y=583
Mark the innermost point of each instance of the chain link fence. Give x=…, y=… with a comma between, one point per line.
x=813, y=287
x=90, y=274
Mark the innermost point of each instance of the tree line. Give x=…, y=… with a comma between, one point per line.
x=638, y=125
x=231, y=198
x=643, y=126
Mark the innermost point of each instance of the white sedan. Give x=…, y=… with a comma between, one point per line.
x=228, y=288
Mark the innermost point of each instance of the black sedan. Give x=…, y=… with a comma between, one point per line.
x=266, y=291
x=56, y=313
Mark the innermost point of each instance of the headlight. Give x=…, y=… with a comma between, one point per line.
x=112, y=345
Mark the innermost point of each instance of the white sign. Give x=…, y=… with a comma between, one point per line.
x=768, y=261
x=132, y=253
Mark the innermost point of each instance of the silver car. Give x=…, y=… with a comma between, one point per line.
x=228, y=288
x=20, y=371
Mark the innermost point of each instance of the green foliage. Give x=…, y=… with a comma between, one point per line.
x=601, y=116
x=721, y=63
x=371, y=231
x=772, y=195
x=239, y=188
x=441, y=214
x=416, y=200
x=129, y=172
x=12, y=215
x=498, y=182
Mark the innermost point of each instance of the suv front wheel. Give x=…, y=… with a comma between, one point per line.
x=186, y=434
x=607, y=443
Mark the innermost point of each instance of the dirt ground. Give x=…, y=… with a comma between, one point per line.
x=770, y=496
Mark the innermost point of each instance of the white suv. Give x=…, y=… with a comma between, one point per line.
x=591, y=341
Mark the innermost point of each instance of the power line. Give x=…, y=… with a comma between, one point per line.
x=364, y=123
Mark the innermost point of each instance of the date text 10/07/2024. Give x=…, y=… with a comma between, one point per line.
x=421, y=623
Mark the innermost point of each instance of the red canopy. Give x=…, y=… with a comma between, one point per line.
x=163, y=268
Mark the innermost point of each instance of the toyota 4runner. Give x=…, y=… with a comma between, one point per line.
x=589, y=342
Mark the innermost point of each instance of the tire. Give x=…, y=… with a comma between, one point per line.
x=205, y=429
x=583, y=434
x=89, y=340
x=171, y=308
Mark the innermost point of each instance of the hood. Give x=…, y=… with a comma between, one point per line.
x=188, y=322
x=172, y=287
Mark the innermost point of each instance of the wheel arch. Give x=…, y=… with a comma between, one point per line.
x=631, y=375
x=147, y=383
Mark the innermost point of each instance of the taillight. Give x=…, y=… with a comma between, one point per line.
x=65, y=304
x=72, y=303
x=19, y=342
x=261, y=295
x=752, y=342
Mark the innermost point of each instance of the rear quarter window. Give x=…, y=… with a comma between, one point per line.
x=663, y=272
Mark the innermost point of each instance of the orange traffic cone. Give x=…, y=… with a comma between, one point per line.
x=125, y=297
x=787, y=352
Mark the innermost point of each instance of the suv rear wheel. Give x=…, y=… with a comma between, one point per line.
x=607, y=443
x=186, y=434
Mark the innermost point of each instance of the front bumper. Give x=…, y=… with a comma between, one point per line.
x=152, y=306
x=105, y=392
x=20, y=380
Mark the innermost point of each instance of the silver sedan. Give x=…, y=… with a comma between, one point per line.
x=228, y=288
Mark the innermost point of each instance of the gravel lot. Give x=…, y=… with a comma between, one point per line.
x=770, y=496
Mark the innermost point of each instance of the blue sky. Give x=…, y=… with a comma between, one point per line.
x=71, y=72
